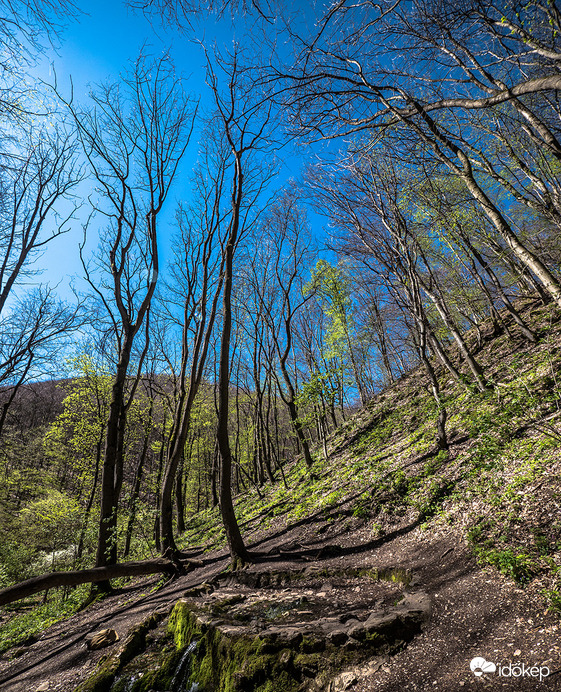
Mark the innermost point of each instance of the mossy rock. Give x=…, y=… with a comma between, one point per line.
x=228, y=656
x=109, y=667
x=243, y=663
x=230, y=664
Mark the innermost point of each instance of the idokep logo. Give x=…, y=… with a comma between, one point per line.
x=479, y=666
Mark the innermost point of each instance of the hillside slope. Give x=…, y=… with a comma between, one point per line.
x=478, y=528
x=498, y=486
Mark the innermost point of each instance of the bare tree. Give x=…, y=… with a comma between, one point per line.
x=187, y=10
x=402, y=67
x=25, y=27
x=30, y=334
x=37, y=178
x=41, y=173
x=243, y=123
x=197, y=284
x=278, y=282
x=133, y=138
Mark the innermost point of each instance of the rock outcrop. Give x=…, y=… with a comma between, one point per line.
x=277, y=633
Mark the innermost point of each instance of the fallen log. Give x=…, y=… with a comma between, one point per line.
x=85, y=576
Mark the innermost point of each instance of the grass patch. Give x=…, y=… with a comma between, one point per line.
x=25, y=627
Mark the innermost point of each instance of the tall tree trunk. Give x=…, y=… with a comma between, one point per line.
x=136, y=487
x=179, y=502
x=473, y=365
x=238, y=551
x=526, y=331
x=529, y=259
x=89, y=505
x=112, y=466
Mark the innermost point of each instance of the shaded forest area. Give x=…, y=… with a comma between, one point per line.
x=197, y=381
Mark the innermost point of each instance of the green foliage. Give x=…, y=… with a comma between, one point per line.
x=34, y=540
x=517, y=565
x=363, y=506
x=50, y=521
x=553, y=596
x=318, y=388
x=75, y=439
x=23, y=627
x=332, y=287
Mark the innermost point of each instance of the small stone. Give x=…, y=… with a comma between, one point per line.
x=43, y=687
x=517, y=652
x=101, y=639
x=357, y=631
x=204, y=588
x=380, y=621
x=344, y=681
x=374, y=665
x=292, y=636
x=230, y=630
x=416, y=602
x=321, y=594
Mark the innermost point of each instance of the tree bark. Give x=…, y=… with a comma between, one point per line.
x=85, y=576
x=112, y=473
x=465, y=172
x=236, y=545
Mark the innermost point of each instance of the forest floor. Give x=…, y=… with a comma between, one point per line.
x=478, y=527
x=475, y=612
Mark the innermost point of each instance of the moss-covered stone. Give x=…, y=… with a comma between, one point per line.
x=230, y=663
x=229, y=655
x=109, y=667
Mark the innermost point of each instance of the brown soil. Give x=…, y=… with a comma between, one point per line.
x=476, y=612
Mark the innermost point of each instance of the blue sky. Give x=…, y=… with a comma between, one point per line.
x=98, y=46
x=94, y=49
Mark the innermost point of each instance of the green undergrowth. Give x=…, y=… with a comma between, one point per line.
x=25, y=621
x=498, y=484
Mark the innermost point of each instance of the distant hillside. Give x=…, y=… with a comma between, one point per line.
x=35, y=404
x=385, y=533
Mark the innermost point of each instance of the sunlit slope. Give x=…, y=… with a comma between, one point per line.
x=499, y=483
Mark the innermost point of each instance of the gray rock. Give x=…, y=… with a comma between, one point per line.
x=357, y=631
x=343, y=681
x=379, y=621
x=272, y=633
x=337, y=637
x=291, y=635
x=417, y=602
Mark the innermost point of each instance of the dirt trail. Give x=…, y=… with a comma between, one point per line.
x=476, y=612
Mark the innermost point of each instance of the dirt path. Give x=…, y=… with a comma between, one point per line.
x=61, y=658
x=476, y=613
